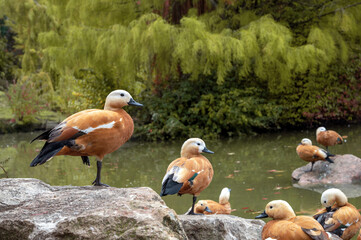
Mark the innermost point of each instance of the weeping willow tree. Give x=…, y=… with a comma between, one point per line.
x=88, y=48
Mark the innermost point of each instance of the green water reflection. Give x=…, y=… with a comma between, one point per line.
x=240, y=164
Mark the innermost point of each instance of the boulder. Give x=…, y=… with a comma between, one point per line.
x=221, y=227
x=31, y=209
x=344, y=173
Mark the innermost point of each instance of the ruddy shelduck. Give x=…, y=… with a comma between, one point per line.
x=286, y=225
x=339, y=216
x=92, y=132
x=307, y=152
x=328, y=137
x=221, y=207
x=189, y=174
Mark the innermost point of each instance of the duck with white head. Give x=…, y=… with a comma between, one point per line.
x=286, y=225
x=189, y=174
x=339, y=216
x=92, y=132
x=221, y=207
x=309, y=153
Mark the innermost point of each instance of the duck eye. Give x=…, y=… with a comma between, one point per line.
x=271, y=207
x=122, y=94
x=324, y=201
x=198, y=144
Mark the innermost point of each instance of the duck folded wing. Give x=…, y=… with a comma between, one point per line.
x=181, y=171
x=173, y=180
x=331, y=223
x=68, y=131
x=347, y=215
x=315, y=234
x=320, y=153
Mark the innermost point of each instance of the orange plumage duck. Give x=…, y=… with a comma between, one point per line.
x=212, y=207
x=309, y=153
x=286, y=225
x=328, y=137
x=339, y=216
x=189, y=174
x=92, y=132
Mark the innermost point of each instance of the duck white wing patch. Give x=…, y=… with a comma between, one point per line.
x=91, y=129
x=178, y=174
x=323, y=153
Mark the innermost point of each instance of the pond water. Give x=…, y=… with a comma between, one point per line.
x=257, y=168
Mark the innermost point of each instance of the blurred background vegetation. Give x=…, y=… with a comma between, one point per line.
x=206, y=68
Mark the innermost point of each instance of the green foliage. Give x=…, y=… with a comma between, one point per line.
x=211, y=111
x=221, y=68
x=7, y=65
x=25, y=101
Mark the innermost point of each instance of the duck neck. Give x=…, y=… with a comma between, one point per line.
x=341, y=200
x=187, y=154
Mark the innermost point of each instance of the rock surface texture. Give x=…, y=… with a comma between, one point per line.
x=221, y=227
x=344, y=174
x=31, y=209
x=346, y=169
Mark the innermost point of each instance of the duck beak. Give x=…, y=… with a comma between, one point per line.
x=134, y=103
x=328, y=209
x=262, y=215
x=208, y=210
x=207, y=151
x=299, y=144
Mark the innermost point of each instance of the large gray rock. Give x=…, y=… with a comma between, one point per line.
x=221, y=227
x=344, y=173
x=31, y=209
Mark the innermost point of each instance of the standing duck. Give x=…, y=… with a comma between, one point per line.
x=328, y=137
x=92, y=132
x=191, y=173
x=339, y=216
x=223, y=207
x=306, y=151
x=286, y=225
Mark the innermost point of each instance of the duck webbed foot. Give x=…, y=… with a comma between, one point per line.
x=97, y=179
x=98, y=183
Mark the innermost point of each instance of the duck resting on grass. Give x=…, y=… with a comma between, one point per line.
x=191, y=173
x=309, y=153
x=286, y=225
x=221, y=207
x=328, y=137
x=92, y=132
x=339, y=216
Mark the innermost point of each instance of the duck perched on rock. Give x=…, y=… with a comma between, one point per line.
x=328, y=137
x=212, y=207
x=339, y=216
x=189, y=174
x=92, y=132
x=309, y=153
x=286, y=225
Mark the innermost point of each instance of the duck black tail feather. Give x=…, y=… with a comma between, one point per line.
x=48, y=151
x=43, y=136
x=170, y=187
x=328, y=157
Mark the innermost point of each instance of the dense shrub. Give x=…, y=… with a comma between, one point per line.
x=204, y=68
